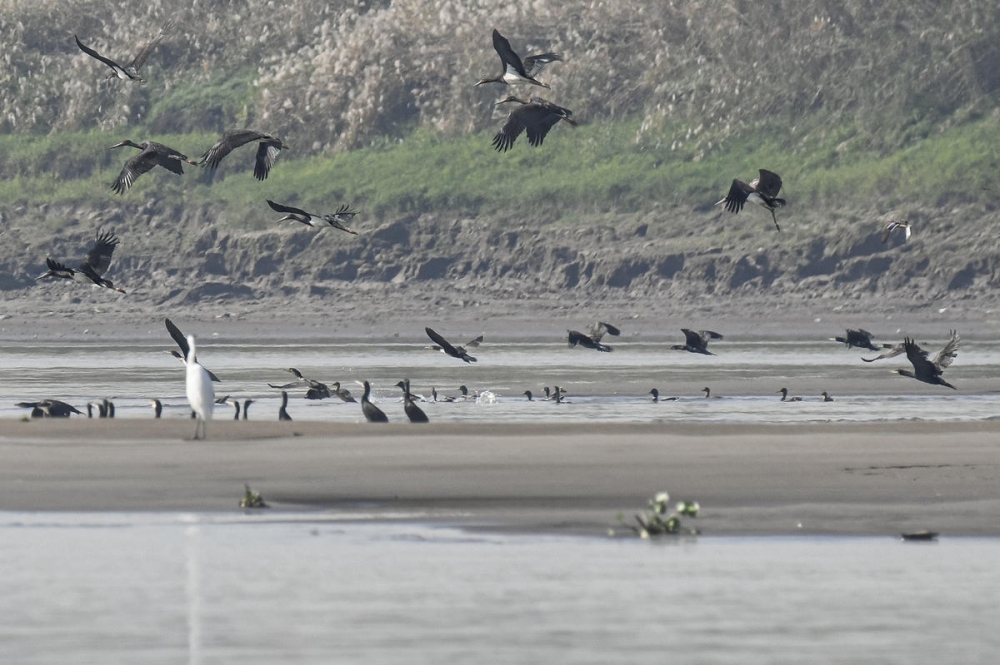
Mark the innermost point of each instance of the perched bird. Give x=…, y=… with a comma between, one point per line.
x=762, y=191
x=892, y=226
x=316, y=389
x=826, y=396
x=50, y=408
x=343, y=393
x=109, y=408
x=151, y=155
x=267, y=150
x=200, y=393
x=92, y=270
x=446, y=347
x=181, y=340
x=246, y=408
x=929, y=371
x=336, y=220
x=535, y=117
x=157, y=407
x=514, y=69
x=102, y=410
x=786, y=398
x=413, y=412
x=593, y=340
x=656, y=396
x=697, y=341
x=283, y=409
x=373, y=414
x=859, y=338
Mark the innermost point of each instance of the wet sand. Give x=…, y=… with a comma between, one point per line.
x=549, y=478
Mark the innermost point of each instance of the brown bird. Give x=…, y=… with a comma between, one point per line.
x=762, y=190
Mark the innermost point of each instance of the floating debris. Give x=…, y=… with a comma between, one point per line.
x=656, y=522
x=252, y=499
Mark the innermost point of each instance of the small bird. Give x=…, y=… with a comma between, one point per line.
x=529, y=395
x=860, y=338
x=92, y=269
x=267, y=150
x=157, y=407
x=317, y=390
x=697, y=341
x=892, y=226
x=786, y=398
x=336, y=220
x=373, y=414
x=535, y=117
x=593, y=340
x=50, y=408
x=151, y=155
x=200, y=393
x=181, y=340
x=762, y=190
x=708, y=393
x=446, y=347
x=283, y=409
x=929, y=371
x=343, y=393
x=656, y=397
x=514, y=69
x=413, y=412
x=826, y=396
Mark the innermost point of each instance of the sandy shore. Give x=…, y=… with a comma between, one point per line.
x=817, y=479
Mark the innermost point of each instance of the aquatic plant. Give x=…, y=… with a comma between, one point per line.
x=252, y=499
x=655, y=521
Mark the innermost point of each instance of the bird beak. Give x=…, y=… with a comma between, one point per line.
x=117, y=145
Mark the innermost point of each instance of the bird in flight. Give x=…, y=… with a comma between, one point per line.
x=926, y=370
x=336, y=220
x=696, y=341
x=514, y=69
x=593, y=340
x=534, y=117
x=92, y=269
x=762, y=190
x=129, y=72
x=892, y=226
x=860, y=338
x=151, y=155
x=446, y=347
x=267, y=150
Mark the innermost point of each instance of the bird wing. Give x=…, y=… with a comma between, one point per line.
x=508, y=58
x=576, y=337
x=475, y=342
x=887, y=230
x=99, y=258
x=94, y=54
x=442, y=342
x=891, y=353
x=769, y=183
x=228, y=142
x=515, y=125
x=168, y=158
x=344, y=211
x=278, y=207
x=708, y=334
x=178, y=337
x=267, y=152
x=144, y=162
x=918, y=358
x=948, y=353
x=140, y=58
x=600, y=329
x=296, y=384
x=534, y=64
x=58, y=268
x=692, y=338
x=737, y=196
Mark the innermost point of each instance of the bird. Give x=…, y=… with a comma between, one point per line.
x=343, y=393
x=534, y=117
x=440, y=398
x=893, y=351
x=413, y=412
x=234, y=402
x=463, y=394
x=109, y=408
x=129, y=72
x=181, y=340
x=472, y=342
x=336, y=220
x=102, y=410
x=860, y=338
x=514, y=69
x=200, y=393
x=446, y=347
x=708, y=393
x=246, y=408
x=50, y=408
x=529, y=395
x=267, y=150
x=557, y=394
x=549, y=395
x=929, y=371
x=892, y=226
x=317, y=390
x=762, y=190
x=697, y=341
x=656, y=396
x=151, y=155
x=157, y=407
x=826, y=396
x=593, y=340
x=283, y=409
x=786, y=398
x=92, y=269
x=373, y=414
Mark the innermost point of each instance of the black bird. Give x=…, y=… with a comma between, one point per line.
x=282, y=410
x=267, y=151
x=151, y=155
x=527, y=393
x=762, y=191
x=413, y=412
x=708, y=393
x=557, y=394
x=92, y=270
x=929, y=371
x=453, y=351
x=786, y=398
x=50, y=408
x=233, y=402
x=472, y=342
x=860, y=338
x=246, y=408
x=593, y=340
x=336, y=220
x=181, y=340
x=109, y=408
x=373, y=414
x=656, y=396
x=514, y=69
x=316, y=389
x=826, y=396
x=157, y=407
x=535, y=117
x=123, y=72
x=102, y=411
x=697, y=341
x=343, y=393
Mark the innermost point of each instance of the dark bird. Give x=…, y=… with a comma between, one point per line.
x=472, y=342
x=892, y=226
x=708, y=393
x=267, y=151
x=336, y=220
x=413, y=412
x=697, y=341
x=859, y=338
x=929, y=371
x=826, y=396
x=109, y=408
x=535, y=117
x=440, y=398
x=656, y=396
x=446, y=347
x=151, y=155
x=283, y=409
x=762, y=191
x=893, y=351
x=92, y=270
x=529, y=395
x=373, y=414
x=232, y=402
x=593, y=340
x=157, y=407
x=514, y=69
x=343, y=393
x=123, y=72
x=182, y=342
x=557, y=394
x=102, y=411
x=246, y=408
x=786, y=398
x=50, y=408
x=316, y=389
x=549, y=395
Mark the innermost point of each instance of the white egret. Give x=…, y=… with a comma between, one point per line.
x=200, y=393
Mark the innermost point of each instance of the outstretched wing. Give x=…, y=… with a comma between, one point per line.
x=227, y=143
x=737, y=196
x=179, y=338
x=514, y=127
x=442, y=342
x=277, y=207
x=99, y=258
x=475, y=342
x=94, y=54
x=508, y=58
x=692, y=338
x=769, y=183
x=918, y=358
x=140, y=58
x=534, y=64
x=948, y=353
x=267, y=152
x=600, y=329
x=891, y=353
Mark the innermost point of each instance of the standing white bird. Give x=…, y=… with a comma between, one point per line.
x=200, y=393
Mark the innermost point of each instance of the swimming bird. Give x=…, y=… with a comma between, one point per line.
x=762, y=190
x=181, y=340
x=199, y=390
x=317, y=390
x=860, y=338
x=929, y=371
x=529, y=395
x=656, y=396
x=246, y=408
x=557, y=394
x=336, y=220
x=343, y=393
x=157, y=407
x=514, y=69
x=535, y=117
x=50, y=408
x=92, y=269
x=697, y=341
x=826, y=396
x=151, y=155
x=892, y=226
x=373, y=414
x=593, y=340
x=708, y=393
x=283, y=409
x=446, y=347
x=413, y=412
x=786, y=398
x=267, y=150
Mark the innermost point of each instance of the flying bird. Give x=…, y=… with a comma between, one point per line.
x=446, y=347
x=929, y=371
x=413, y=412
x=471, y=343
x=92, y=269
x=373, y=414
x=860, y=338
x=593, y=340
x=893, y=351
x=151, y=155
x=697, y=341
x=336, y=220
x=762, y=190
x=535, y=117
x=892, y=226
x=267, y=150
x=514, y=69
x=199, y=390
x=181, y=340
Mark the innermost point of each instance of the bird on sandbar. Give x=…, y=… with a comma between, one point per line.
x=316, y=390
x=447, y=348
x=373, y=414
x=199, y=390
x=516, y=70
x=413, y=412
x=786, y=398
x=50, y=408
x=535, y=117
x=92, y=269
x=283, y=409
x=336, y=220
x=343, y=393
x=696, y=341
x=926, y=370
x=129, y=72
x=267, y=150
x=157, y=407
x=593, y=340
x=151, y=154
x=181, y=340
x=762, y=190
